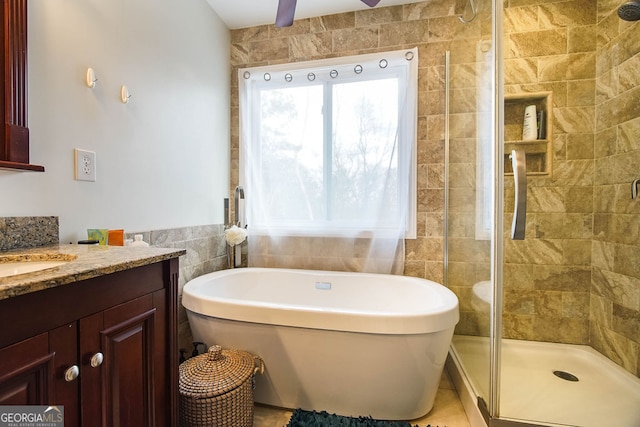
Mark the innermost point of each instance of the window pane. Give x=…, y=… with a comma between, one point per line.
x=328, y=146
x=364, y=159
x=291, y=150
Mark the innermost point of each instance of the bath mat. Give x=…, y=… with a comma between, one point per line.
x=302, y=418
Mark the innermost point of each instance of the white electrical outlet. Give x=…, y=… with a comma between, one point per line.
x=85, y=165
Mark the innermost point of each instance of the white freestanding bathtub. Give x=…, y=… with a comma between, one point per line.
x=351, y=343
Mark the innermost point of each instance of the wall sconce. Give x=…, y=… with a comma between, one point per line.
x=90, y=78
x=124, y=94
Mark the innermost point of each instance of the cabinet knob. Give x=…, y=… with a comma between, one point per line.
x=96, y=360
x=71, y=373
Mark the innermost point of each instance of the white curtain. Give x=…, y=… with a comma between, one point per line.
x=327, y=162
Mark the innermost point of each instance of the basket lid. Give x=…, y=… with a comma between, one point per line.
x=216, y=372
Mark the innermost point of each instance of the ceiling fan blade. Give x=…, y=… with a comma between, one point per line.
x=286, y=13
x=371, y=3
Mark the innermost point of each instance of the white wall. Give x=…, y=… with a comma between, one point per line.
x=163, y=158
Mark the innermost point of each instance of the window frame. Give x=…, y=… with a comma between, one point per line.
x=277, y=79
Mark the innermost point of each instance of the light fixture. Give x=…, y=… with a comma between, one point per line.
x=90, y=78
x=124, y=94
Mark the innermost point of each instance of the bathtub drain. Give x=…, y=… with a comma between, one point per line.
x=565, y=376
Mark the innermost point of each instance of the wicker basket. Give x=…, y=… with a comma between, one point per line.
x=216, y=388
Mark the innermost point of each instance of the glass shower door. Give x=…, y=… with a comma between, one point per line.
x=470, y=220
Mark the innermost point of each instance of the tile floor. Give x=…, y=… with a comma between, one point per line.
x=447, y=411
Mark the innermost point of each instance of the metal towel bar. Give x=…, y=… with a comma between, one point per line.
x=519, y=162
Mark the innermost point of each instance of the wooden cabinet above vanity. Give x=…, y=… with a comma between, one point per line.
x=103, y=344
x=14, y=133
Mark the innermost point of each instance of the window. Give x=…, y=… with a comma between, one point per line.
x=328, y=147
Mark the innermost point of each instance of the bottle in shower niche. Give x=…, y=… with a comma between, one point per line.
x=530, y=125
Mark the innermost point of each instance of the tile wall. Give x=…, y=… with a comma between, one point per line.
x=206, y=252
x=615, y=281
x=575, y=279
x=551, y=46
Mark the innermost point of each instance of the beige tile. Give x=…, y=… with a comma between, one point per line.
x=562, y=278
x=403, y=33
x=536, y=43
x=448, y=28
x=629, y=43
x=622, y=351
x=250, y=34
x=427, y=9
x=629, y=136
x=269, y=416
x=575, y=304
x=622, y=108
x=519, y=302
x=333, y=22
x=583, y=39
x=561, y=329
x=447, y=411
x=378, y=15
x=269, y=50
x=573, y=66
x=521, y=70
x=311, y=45
x=518, y=326
x=626, y=321
x=518, y=19
x=581, y=92
x=567, y=14
x=355, y=38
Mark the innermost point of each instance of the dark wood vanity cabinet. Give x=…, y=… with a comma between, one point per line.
x=26, y=372
x=104, y=348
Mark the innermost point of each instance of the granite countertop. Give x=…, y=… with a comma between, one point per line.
x=85, y=262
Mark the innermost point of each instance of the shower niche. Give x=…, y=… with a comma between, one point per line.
x=539, y=151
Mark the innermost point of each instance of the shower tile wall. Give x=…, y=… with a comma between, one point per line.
x=576, y=278
x=551, y=46
x=615, y=284
x=431, y=26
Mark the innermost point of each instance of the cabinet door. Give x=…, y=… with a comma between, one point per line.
x=125, y=336
x=26, y=372
x=92, y=364
x=63, y=342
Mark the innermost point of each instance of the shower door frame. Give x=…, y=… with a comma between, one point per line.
x=491, y=412
x=497, y=242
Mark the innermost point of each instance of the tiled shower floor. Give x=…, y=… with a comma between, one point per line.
x=447, y=411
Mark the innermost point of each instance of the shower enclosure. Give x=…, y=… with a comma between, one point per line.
x=550, y=322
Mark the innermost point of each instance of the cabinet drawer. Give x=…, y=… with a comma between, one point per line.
x=39, y=312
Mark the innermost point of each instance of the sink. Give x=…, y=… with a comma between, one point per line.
x=12, y=265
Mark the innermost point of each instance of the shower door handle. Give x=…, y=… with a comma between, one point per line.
x=519, y=162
